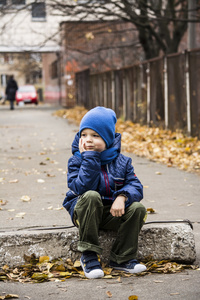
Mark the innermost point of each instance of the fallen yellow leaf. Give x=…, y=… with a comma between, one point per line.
x=108, y=277
x=43, y=259
x=20, y=215
x=77, y=264
x=109, y=294
x=133, y=297
x=60, y=268
x=9, y=296
x=5, y=267
x=151, y=210
x=40, y=180
x=2, y=202
x=14, y=181
x=63, y=274
x=173, y=294
x=26, y=198
x=107, y=271
x=58, y=208
x=39, y=276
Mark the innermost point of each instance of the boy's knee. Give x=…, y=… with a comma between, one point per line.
x=92, y=198
x=92, y=194
x=138, y=208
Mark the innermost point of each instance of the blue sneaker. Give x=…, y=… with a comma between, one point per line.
x=132, y=266
x=90, y=265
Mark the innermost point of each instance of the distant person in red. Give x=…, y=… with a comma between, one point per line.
x=11, y=89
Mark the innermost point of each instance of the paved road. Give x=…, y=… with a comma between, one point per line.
x=35, y=147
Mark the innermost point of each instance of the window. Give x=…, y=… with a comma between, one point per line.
x=38, y=11
x=6, y=58
x=3, y=2
x=54, y=69
x=4, y=80
x=91, y=1
x=18, y=2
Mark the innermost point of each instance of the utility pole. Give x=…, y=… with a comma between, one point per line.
x=191, y=25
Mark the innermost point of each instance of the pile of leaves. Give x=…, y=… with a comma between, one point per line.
x=42, y=269
x=174, y=149
x=74, y=114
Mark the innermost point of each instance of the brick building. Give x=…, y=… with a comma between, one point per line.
x=27, y=28
x=96, y=45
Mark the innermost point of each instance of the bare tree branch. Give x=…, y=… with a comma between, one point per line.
x=160, y=24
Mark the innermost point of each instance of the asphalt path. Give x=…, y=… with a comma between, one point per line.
x=35, y=147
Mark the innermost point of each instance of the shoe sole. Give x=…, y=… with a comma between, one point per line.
x=132, y=271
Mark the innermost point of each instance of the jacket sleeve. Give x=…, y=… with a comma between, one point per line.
x=83, y=174
x=132, y=187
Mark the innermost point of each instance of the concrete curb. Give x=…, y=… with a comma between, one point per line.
x=173, y=242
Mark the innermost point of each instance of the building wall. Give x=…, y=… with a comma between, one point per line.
x=184, y=43
x=7, y=62
x=53, y=90
x=79, y=39
x=99, y=46
x=25, y=67
x=22, y=30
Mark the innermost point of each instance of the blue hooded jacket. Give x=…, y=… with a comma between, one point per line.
x=85, y=172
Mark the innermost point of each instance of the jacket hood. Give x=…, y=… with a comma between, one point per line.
x=115, y=144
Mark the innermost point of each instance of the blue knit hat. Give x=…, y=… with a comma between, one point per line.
x=102, y=120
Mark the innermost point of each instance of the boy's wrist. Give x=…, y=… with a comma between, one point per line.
x=126, y=198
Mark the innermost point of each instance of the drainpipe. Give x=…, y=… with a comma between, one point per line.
x=192, y=5
x=124, y=97
x=166, y=93
x=113, y=90
x=105, y=90
x=59, y=76
x=188, y=99
x=148, y=94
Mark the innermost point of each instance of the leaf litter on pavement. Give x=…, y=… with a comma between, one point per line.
x=175, y=149
x=171, y=148
x=40, y=269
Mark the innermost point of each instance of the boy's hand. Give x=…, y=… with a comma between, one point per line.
x=118, y=206
x=81, y=146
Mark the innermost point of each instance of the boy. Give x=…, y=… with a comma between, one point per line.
x=104, y=193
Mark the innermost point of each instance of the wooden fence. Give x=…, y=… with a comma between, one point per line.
x=161, y=92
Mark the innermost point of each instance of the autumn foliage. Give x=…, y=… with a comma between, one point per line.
x=174, y=149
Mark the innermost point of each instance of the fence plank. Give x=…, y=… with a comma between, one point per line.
x=164, y=91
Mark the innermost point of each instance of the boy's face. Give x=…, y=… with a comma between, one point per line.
x=91, y=141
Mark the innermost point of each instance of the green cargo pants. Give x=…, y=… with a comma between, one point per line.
x=90, y=215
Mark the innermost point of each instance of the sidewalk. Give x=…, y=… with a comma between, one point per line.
x=35, y=147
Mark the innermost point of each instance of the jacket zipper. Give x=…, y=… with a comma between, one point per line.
x=106, y=180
